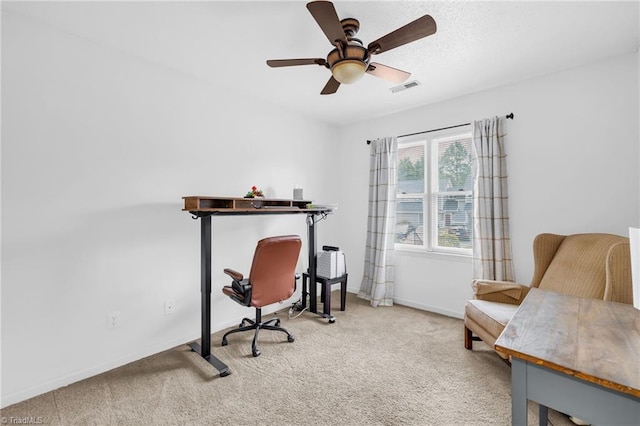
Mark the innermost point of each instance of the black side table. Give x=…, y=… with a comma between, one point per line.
x=325, y=296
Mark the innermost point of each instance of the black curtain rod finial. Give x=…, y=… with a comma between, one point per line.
x=510, y=116
x=368, y=142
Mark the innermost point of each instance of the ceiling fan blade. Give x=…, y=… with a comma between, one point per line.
x=331, y=87
x=421, y=27
x=275, y=63
x=327, y=18
x=387, y=73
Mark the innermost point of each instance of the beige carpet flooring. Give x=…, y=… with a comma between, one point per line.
x=385, y=366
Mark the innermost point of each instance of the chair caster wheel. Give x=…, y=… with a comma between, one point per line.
x=291, y=338
x=332, y=320
x=278, y=323
x=224, y=342
x=256, y=353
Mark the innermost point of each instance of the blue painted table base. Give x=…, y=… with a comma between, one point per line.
x=567, y=394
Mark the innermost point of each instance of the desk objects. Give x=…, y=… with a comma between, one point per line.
x=254, y=192
x=331, y=263
x=204, y=208
x=331, y=208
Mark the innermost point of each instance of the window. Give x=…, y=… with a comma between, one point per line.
x=434, y=200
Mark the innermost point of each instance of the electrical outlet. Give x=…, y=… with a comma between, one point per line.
x=169, y=307
x=113, y=319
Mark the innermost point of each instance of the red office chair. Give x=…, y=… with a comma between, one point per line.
x=272, y=279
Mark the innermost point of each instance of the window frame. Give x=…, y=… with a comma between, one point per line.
x=429, y=142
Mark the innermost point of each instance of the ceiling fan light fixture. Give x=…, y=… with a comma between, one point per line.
x=348, y=71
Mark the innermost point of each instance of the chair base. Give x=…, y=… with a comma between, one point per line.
x=257, y=325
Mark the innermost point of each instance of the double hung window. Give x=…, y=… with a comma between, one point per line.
x=434, y=200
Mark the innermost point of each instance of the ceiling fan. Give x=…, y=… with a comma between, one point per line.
x=350, y=60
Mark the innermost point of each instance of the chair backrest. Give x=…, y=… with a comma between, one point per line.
x=595, y=266
x=273, y=270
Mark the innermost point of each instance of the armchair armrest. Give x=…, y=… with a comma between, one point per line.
x=618, y=287
x=499, y=291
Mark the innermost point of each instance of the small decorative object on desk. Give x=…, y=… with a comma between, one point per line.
x=254, y=193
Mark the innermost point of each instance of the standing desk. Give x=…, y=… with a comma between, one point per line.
x=204, y=208
x=579, y=356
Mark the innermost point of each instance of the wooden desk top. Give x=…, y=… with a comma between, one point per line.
x=593, y=340
x=244, y=206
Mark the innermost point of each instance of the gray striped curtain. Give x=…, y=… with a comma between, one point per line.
x=492, y=259
x=378, y=280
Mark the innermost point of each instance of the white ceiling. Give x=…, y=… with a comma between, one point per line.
x=478, y=45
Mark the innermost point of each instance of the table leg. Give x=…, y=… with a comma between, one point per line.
x=204, y=350
x=326, y=290
x=518, y=392
x=543, y=415
x=343, y=293
x=311, y=232
x=313, y=285
x=304, y=292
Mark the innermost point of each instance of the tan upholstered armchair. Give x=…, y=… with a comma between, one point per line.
x=596, y=266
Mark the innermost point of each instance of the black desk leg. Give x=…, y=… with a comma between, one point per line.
x=205, y=283
x=313, y=285
x=312, y=233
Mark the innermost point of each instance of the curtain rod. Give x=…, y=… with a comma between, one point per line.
x=509, y=116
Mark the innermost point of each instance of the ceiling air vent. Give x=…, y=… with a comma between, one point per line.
x=405, y=86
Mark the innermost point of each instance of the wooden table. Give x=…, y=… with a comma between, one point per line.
x=203, y=208
x=578, y=356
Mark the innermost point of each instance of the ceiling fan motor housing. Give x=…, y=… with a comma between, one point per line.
x=352, y=52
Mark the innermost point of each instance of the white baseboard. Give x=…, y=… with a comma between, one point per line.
x=77, y=376
x=421, y=306
x=99, y=369
x=434, y=309
x=89, y=372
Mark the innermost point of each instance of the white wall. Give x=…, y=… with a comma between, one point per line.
x=97, y=150
x=573, y=153
x=98, y=147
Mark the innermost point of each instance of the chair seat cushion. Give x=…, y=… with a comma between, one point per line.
x=491, y=316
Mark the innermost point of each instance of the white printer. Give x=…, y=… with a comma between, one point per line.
x=331, y=263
